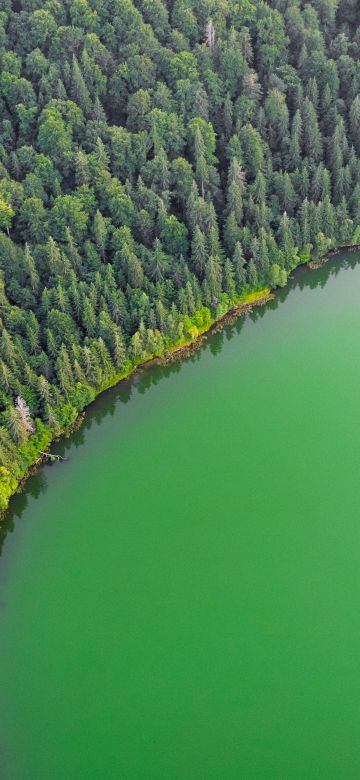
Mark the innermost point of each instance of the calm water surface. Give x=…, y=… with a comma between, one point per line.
x=181, y=599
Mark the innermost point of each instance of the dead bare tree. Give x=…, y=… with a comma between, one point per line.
x=210, y=34
x=24, y=410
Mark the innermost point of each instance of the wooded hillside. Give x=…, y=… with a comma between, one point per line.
x=157, y=161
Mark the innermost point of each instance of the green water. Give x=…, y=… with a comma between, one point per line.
x=181, y=599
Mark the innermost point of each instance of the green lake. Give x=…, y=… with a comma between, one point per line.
x=180, y=600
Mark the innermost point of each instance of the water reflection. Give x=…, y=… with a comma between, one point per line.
x=34, y=488
x=148, y=376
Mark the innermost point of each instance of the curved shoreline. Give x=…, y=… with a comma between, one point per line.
x=177, y=352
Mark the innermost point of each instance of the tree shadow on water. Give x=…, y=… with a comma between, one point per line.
x=34, y=488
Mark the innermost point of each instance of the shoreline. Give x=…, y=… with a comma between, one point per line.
x=177, y=352
x=315, y=264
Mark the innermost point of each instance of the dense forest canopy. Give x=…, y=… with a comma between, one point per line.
x=158, y=160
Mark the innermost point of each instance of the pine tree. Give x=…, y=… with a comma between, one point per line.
x=236, y=187
x=355, y=122
x=31, y=269
x=252, y=274
x=312, y=142
x=79, y=90
x=119, y=350
x=199, y=254
x=100, y=233
x=64, y=371
x=213, y=279
x=229, y=281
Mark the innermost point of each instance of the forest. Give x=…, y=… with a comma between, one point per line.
x=159, y=161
